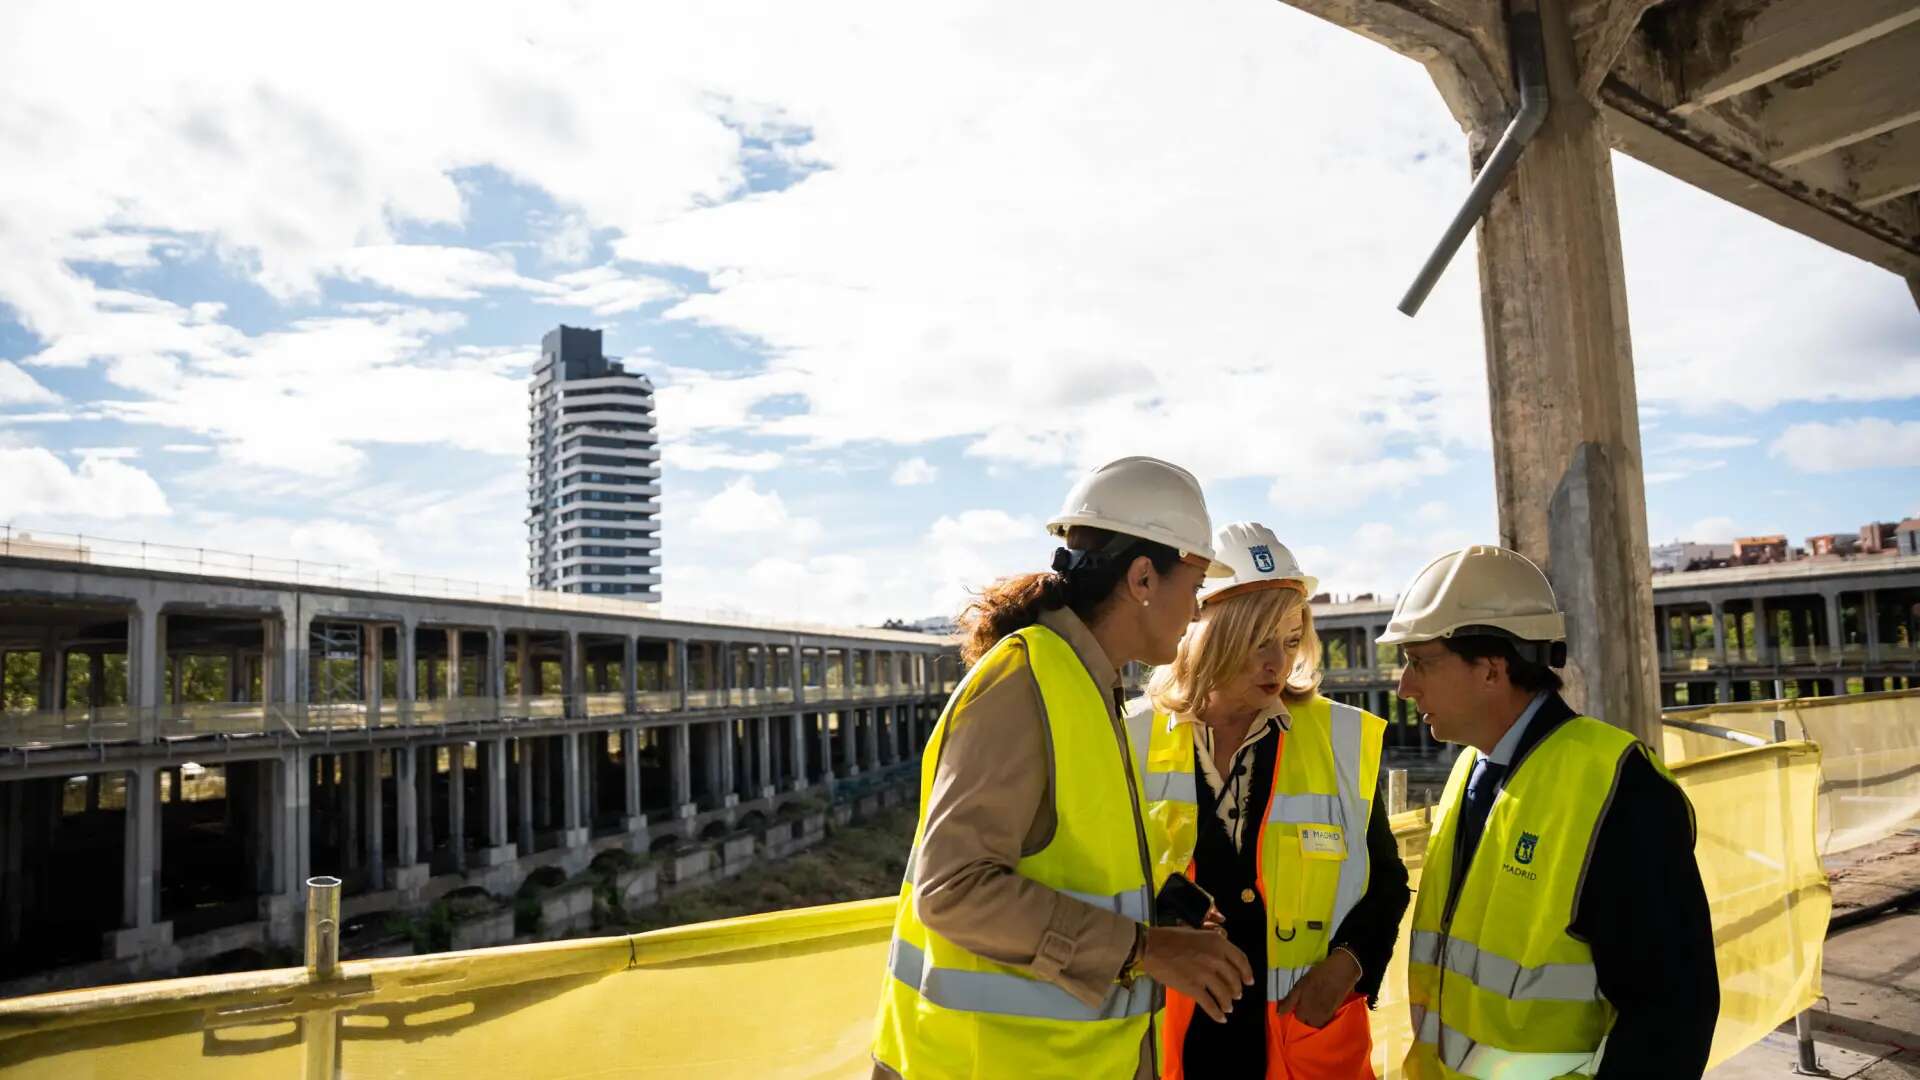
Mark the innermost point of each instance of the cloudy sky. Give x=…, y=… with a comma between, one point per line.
x=273, y=282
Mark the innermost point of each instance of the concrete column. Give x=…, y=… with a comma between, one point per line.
x=524, y=778
x=496, y=686
x=823, y=738
x=573, y=670
x=262, y=833
x=53, y=677
x=272, y=661
x=496, y=776
x=140, y=883
x=1720, y=635
x=1762, y=632
x=763, y=778
x=374, y=649
x=147, y=666
x=428, y=768
x=523, y=667
x=406, y=821
x=883, y=735
x=870, y=748
x=1869, y=621
x=571, y=796
x=405, y=670
x=453, y=665
x=635, y=819
x=457, y=803
x=296, y=634
x=1836, y=635
x=1570, y=488
x=724, y=748
x=542, y=752
x=680, y=672
x=347, y=808
x=850, y=742
x=630, y=677
x=797, y=760
x=375, y=816
x=680, y=757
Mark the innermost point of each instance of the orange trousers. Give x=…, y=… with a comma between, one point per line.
x=1343, y=1050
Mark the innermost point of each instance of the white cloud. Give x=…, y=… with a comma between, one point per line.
x=1379, y=557
x=1666, y=470
x=427, y=271
x=1867, y=442
x=914, y=470
x=741, y=510
x=187, y=448
x=1698, y=441
x=605, y=290
x=39, y=483
x=106, y=453
x=19, y=388
x=700, y=457
x=984, y=527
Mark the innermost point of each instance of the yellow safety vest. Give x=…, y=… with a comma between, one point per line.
x=1498, y=986
x=1313, y=837
x=946, y=1012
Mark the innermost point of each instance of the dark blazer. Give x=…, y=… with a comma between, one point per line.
x=1643, y=910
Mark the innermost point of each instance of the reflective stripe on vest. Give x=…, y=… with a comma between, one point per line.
x=1012, y=995
x=1172, y=787
x=1498, y=975
x=1462, y=1055
x=945, y=1011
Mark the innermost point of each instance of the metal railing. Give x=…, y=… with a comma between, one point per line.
x=111, y=724
x=267, y=570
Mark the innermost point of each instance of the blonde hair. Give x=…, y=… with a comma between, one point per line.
x=1217, y=646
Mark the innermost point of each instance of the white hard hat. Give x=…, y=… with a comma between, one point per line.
x=1480, y=586
x=1145, y=498
x=1259, y=561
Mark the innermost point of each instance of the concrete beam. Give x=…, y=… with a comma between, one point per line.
x=1886, y=166
x=1739, y=45
x=1459, y=42
x=1863, y=93
x=1566, y=430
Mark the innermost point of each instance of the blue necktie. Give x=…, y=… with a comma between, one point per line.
x=1482, y=784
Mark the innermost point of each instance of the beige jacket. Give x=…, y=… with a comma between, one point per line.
x=991, y=805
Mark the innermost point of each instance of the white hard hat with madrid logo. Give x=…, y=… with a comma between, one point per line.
x=1259, y=561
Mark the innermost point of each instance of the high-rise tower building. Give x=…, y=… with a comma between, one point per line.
x=593, y=472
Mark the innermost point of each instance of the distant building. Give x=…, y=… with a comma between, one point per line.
x=593, y=472
x=1833, y=544
x=1907, y=536
x=1681, y=556
x=1748, y=550
x=941, y=625
x=1876, y=537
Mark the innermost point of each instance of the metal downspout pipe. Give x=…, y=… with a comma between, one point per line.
x=1530, y=72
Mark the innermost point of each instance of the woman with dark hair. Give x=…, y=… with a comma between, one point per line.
x=1021, y=944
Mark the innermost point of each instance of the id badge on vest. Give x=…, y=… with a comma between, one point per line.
x=1323, y=842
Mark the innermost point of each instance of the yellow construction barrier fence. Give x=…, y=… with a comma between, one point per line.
x=793, y=994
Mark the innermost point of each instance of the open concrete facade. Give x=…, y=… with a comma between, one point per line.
x=1815, y=627
x=196, y=748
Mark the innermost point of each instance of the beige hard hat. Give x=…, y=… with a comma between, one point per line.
x=1482, y=587
x=1258, y=560
x=1147, y=499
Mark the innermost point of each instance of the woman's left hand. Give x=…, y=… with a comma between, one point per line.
x=1324, y=988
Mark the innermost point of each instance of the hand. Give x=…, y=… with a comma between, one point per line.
x=1214, y=920
x=1201, y=964
x=1324, y=988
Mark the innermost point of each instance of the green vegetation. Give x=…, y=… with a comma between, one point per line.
x=856, y=862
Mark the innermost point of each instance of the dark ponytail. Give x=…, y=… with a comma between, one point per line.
x=1085, y=574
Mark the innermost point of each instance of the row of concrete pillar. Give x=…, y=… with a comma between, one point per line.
x=554, y=781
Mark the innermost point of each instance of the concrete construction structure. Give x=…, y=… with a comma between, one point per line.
x=1810, y=627
x=195, y=746
x=593, y=472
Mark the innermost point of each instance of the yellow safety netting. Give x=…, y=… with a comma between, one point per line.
x=1870, y=747
x=793, y=994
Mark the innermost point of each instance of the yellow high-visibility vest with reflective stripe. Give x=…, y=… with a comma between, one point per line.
x=1497, y=984
x=946, y=1012
x=1313, y=863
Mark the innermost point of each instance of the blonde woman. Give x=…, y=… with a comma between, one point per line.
x=1262, y=792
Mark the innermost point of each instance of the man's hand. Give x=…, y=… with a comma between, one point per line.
x=1324, y=988
x=1201, y=964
